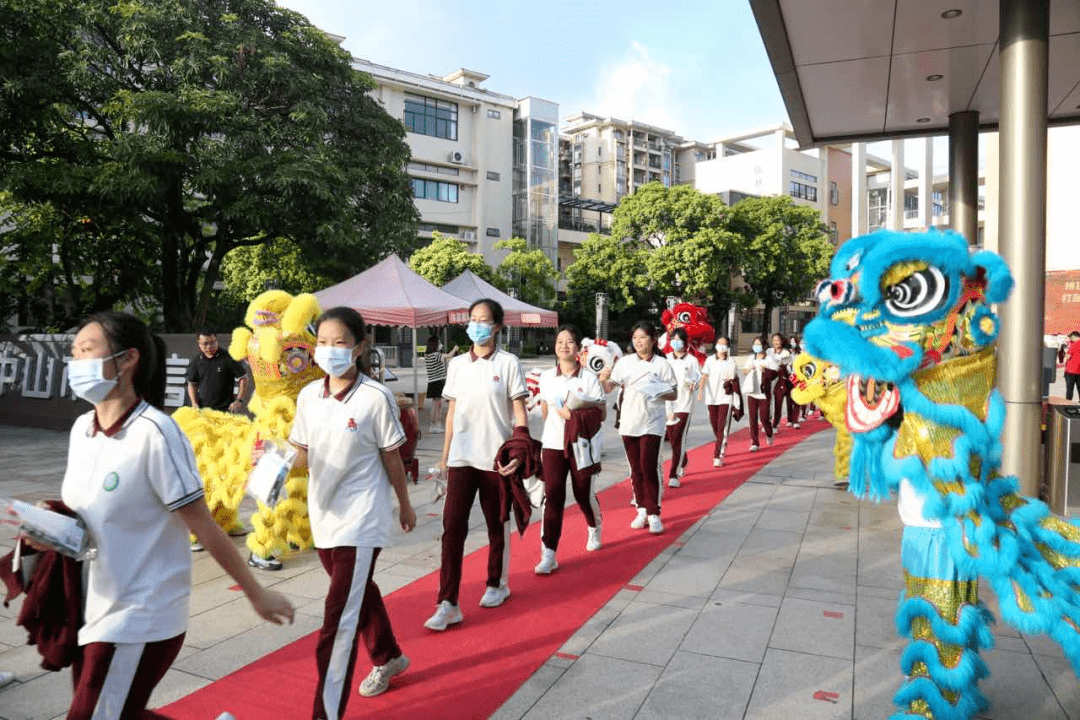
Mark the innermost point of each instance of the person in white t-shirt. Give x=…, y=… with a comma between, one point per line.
x=781, y=390
x=485, y=390
x=648, y=382
x=347, y=432
x=755, y=387
x=719, y=369
x=687, y=376
x=132, y=479
x=567, y=385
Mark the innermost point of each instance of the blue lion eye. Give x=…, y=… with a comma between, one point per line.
x=917, y=294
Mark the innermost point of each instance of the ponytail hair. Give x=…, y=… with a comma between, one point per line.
x=124, y=331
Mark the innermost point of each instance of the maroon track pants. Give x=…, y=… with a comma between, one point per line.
x=718, y=420
x=779, y=401
x=556, y=466
x=462, y=486
x=758, y=410
x=120, y=676
x=354, y=609
x=643, y=453
x=675, y=435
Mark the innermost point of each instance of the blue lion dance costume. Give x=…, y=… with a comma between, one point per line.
x=907, y=317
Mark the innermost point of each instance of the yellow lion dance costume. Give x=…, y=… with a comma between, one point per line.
x=279, y=347
x=818, y=382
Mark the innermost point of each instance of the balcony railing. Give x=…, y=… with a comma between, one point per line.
x=604, y=228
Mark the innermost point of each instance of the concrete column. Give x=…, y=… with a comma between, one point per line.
x=991, y=193
x=824, y=184
x=1024, y=43
x=858, y=189
x=926, y=186
x=896, y=186
x=964, y=173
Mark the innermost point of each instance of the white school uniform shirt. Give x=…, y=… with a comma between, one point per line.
x=555, y=387
x=349, y=490
x=483, y=391
x=687, y=373
x=717, y=372
x=638, y=415
x=125, y=482
x=780, y=358
x=751, y=382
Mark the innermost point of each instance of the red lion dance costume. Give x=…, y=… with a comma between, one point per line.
x=693, y=319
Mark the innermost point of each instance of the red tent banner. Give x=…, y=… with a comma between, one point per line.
x=1062, y=311
x=469, y=287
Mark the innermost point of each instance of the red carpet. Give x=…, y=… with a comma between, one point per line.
x=472, y=668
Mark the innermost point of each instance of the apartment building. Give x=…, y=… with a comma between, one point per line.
x=474, y=175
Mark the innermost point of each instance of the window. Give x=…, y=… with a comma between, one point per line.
x=834, y=235
x=493, y=232
x=834, y=194
x=494, y=114
x=444, y=229
x=425, y=167
x=492, y=175
x=435, y=190
x=599, y=151
x=804, y=176
x=428, y=116
x=598, y=188
x=805, y=192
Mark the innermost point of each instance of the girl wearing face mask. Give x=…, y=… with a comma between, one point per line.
x=687, y=376
x=643, y=376
x=717, y=375
x=132, y=479
x=347, y=432
x=485, y=390
x=782, y=356
x=758, y=371
x=565, y=385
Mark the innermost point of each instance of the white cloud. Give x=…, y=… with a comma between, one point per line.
x=638, y=87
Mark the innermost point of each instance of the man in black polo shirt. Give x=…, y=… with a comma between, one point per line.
x=211, y=376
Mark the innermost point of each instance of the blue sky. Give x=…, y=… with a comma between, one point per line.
x=697, y=68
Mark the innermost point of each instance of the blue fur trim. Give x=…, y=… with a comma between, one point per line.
x=960, y=679
x=971, y=630
x=844, y=346
x=983, y=338
x=924, y=689
x=999, y=279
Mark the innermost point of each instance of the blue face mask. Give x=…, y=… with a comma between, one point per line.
x=677, y=345
x=479, y=332
x=757, y=348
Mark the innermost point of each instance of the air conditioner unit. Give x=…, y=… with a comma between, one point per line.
x=456, y=156
x=468, y=235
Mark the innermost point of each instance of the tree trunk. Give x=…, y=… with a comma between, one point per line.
x=766, y=322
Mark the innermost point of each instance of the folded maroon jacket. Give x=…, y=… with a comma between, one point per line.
x=583, y=423
x=521, y=447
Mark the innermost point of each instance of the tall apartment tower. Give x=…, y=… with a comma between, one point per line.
x=536, y=182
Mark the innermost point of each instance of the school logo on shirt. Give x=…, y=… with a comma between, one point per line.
x=351, y=426
x=111, y=481
x=495, y=379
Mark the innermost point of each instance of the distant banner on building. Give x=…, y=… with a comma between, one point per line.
x=1062, y=314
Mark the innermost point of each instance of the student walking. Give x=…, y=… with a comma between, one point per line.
x=347, y=432
x=565, y=389
x=687, y=376
x=758, y=371
x=647, y=381
x=435, y=361
x=486, y=393
x=782, y=357
x=132, y=479
x=719, y=381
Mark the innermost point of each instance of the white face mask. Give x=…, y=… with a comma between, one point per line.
x=87, y=380
x=335, y=361
x=721, y=348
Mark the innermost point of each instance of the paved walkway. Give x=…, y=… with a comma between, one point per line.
x=777, y=605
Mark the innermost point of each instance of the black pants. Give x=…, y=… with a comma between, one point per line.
x=1072, y=382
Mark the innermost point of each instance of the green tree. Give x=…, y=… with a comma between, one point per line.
x=604, y=264
x=787, y=249
x=192, y=127
x=529, y=271
x=279, y=263
x=446, y=258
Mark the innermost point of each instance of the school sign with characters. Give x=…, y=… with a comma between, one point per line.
x=1062, y=313
x=34, y=390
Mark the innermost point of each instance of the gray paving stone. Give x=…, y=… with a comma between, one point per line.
x=687, y=575
x=695, y=686
x=644, y=633
x=574, y=696
x=761, y=540
x=745, y=574
x=785, y=520
x=1017, y=689
x=811, y=627
x=787, y=684
x=877, y=678
x=831, y=596
x=43, y=697
x=656, y=597
x=235, y=652
x=707, y=543
x=532, y=690
x=731, y=630
x=1062, y=681
x=723, y=596
x=876, y=626
x=175, y=685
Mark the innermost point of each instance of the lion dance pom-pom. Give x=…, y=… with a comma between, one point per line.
x=279, y=347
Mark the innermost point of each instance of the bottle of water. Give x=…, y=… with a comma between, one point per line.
x=437, y=476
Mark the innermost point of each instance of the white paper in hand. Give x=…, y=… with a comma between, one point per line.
x=62, y=533
x=652, y=386
x=267, y=478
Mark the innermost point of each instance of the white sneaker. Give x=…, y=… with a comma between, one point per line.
x=717, y=462
x=655, y=526
x=6, y=677
x=378, y=680
x=753, y=448
x=494, y=597
x=435, y=429
x=445, y=614
x=796, y=426
x=594, y=539
x=548, y=564
x=226, y=716
x=674, y=482
x=768, y=441
x=639, y=522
